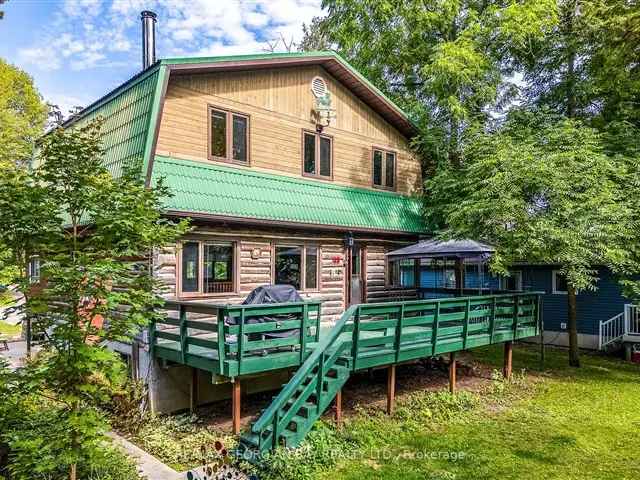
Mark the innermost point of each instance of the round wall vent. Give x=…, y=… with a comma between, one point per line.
x=318, y=87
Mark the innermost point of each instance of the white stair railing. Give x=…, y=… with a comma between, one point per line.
x=612, y=330
x=632, y=319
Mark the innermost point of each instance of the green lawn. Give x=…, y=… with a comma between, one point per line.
x=560, y=423
x=8, y=330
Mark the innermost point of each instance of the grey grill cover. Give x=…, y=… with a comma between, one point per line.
x=273, y=294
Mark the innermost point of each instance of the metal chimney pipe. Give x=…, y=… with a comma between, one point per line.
x=148, y=38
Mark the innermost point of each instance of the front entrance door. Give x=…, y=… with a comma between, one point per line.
x=356, y=284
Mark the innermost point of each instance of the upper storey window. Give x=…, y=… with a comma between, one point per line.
x=317, y=153
x=384, y=169
x=228, y=136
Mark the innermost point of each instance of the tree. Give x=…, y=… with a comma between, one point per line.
x=314, y=36
x=96, y=285
x=22, y=116
x=448, y=63
x=586, y=67
x=27, y=224
x=542, y=190
x=2, y=11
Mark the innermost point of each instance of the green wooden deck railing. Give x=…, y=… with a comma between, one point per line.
x=228, y=340
x=372, y=335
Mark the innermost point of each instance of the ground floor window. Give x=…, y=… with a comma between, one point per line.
x=207, y=268
x=402, y=273
x=34, y=270
x=512, y=283
x=558, y=282
x=298, y=266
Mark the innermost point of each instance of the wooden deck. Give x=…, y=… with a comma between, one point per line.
x=234, y=341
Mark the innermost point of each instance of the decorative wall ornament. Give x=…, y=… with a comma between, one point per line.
x=323, y=112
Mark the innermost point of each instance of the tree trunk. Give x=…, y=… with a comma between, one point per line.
x=26, y=326
x=574, y=355
x=72, y=472
x=570, y=84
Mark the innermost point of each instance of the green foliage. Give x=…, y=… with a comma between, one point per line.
x=126, y=407
x=586, y=65
x=94, y=234
x=27, y=222
x=33, y=425
x=319, y=451
x=6, y=329
x=447, y=63
x=22, y=116
x=558, y=427
x=542, y=190
x=178, y=440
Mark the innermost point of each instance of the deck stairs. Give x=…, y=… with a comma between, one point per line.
x=623, y=327
x=372, y=335
x=305, y=398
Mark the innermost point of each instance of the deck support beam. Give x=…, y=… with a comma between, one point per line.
x=391, y=388
x=339, y=407
x=508, y=360
x=452, y=373
x=193, y=390
x=235, y=405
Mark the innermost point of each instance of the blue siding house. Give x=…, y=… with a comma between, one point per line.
x=593, y=306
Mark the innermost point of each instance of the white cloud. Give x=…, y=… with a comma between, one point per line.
x=87, y=34
x=66, y=102
x=43, y=57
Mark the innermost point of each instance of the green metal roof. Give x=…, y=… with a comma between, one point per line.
x=219, y=190
x=127, y=116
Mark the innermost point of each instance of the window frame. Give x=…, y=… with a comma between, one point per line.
x=554, y=283
x=229, y=136
x=384, y=152
x=317, y=136
x=34, y=269
x=390, y=277
x=514, y=274
x=235, y=280
x=303, y=266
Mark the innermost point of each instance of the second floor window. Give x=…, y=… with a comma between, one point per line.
x=384, y=169
x=228, y=136
x=316, y=155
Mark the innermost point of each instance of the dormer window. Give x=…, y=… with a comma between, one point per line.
x=228, y=136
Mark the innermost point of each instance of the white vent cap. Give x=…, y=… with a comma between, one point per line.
x=318, y=87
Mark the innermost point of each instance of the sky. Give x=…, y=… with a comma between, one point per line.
x=78, y=50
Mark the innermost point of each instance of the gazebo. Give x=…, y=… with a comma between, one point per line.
x=449, y=253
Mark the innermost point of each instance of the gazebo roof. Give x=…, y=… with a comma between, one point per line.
x=462, y=249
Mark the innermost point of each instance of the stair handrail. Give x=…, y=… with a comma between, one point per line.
x=611, y=330
x=266, y=417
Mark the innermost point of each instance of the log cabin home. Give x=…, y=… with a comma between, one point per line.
x=293, y=168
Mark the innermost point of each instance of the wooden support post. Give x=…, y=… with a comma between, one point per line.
x=508, y=360
x=235, y=405
x=391, y=389
x=452, y=372
x=193, y=391
x=339, y=407
x=459, y=274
